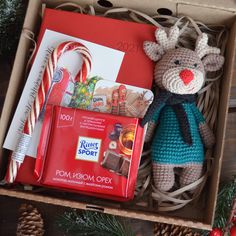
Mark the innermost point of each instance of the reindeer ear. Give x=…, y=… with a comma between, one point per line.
x=213, y=62
x=153, y=50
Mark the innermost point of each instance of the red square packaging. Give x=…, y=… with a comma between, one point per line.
x=89, y=152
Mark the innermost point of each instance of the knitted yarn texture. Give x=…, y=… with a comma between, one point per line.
x=181, y=132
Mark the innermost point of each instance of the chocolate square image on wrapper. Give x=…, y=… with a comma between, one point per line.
x=112, y=161
x=124, y=168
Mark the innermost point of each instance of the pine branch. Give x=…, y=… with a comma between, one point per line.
x=11, y=20
x=90, y=223
x=224, y=205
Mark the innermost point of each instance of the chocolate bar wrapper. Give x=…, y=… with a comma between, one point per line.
x=75, y=152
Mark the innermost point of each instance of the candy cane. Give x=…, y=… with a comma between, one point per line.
x=41, y=98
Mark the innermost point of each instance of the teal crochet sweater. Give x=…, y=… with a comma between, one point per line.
x=168, y=146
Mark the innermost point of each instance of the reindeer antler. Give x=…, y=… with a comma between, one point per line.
x=170, y=41
x=202, y=48
x=164, y=43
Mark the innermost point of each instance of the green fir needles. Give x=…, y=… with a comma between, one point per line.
x=89, y=223
x=224, y=205
x=11, y=20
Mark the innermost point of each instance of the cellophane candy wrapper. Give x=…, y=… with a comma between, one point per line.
x=89, y=152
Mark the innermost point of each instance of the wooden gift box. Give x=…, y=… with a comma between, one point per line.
x=209, y=12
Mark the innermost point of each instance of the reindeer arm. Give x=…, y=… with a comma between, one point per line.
x=152, y=123
x=206, y=133
x=150, y=131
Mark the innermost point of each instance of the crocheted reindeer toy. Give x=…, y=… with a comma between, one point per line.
x=181, y=130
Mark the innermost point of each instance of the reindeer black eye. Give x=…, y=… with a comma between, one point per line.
x=195, y=65
x=177, y=62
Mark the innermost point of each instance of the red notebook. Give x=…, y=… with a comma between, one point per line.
x=136, y=69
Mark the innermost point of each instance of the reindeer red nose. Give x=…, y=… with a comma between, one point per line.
x=187, y=76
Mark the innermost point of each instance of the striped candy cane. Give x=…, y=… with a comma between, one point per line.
x=49, y=77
